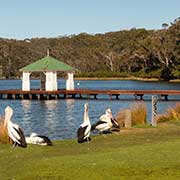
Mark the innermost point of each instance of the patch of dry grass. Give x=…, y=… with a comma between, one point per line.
x=138, y=114
x=4, y=139
x=171, y=114
x=121, y=116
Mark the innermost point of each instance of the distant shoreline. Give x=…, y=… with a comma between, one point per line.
x=108, y=78
x=123, y=78
x=116, y=78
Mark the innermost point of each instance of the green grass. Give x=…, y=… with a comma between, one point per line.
x=133, y=154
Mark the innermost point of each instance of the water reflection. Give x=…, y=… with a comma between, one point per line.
x=71, y=117
x=54, y=118
x=25, y=115
x=26, y=103
x=70, y=111
x=70, y=103
x=50, y=109
x=50, y=116
x=50, y=105
x=26, y=106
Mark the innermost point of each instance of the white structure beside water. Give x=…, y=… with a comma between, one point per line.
x=48, y=68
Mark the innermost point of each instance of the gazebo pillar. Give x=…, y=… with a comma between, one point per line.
x=51, y=81
x=70, y=81
x=43, y=80
x=55, y=84
x=26, y=81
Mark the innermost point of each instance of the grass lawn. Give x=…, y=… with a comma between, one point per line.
x=134, y=154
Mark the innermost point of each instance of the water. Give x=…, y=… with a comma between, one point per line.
x=59, y=119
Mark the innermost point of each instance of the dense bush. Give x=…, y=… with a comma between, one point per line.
x=166, y=74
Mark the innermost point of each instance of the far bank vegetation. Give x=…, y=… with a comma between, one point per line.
x=135, y=52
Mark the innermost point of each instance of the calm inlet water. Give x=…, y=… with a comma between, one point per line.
x=59, y=119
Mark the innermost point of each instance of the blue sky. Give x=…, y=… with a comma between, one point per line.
x=22, y=19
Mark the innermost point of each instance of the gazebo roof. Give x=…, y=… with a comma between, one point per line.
x=47, y=63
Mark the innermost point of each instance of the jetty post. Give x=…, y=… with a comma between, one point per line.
x=154, y=111
x=128, y=118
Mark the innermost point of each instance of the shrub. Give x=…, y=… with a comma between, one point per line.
x=4, y=139
x=120, y=117
x=162, y=118
x=166, y=74
x=171, y=114
x=176, y=74
x=102, y=74
x=138, y=114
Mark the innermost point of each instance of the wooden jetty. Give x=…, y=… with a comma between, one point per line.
x=83, y=93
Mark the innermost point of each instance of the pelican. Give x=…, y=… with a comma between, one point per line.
x=106, y=123
x=107, y=116
x=14, y=131
x=83, y=132
x=115, y=125
x=38, y=139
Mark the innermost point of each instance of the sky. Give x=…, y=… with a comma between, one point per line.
x=21, y=19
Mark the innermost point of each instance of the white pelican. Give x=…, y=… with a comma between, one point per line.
x=107, y=116
x=106, y=123
x=83, y=133
x=14, y=131
x=38, y=139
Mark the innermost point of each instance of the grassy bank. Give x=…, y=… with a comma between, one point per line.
x=137, y=153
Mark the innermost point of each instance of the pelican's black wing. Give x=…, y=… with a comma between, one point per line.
x=46, y=140
x=116, y=126
x=22, y=139
x=80, y=133
x=93, y=127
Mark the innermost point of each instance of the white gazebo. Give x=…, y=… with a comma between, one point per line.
x=48, y=68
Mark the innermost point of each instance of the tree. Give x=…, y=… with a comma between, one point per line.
x=166, y=74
